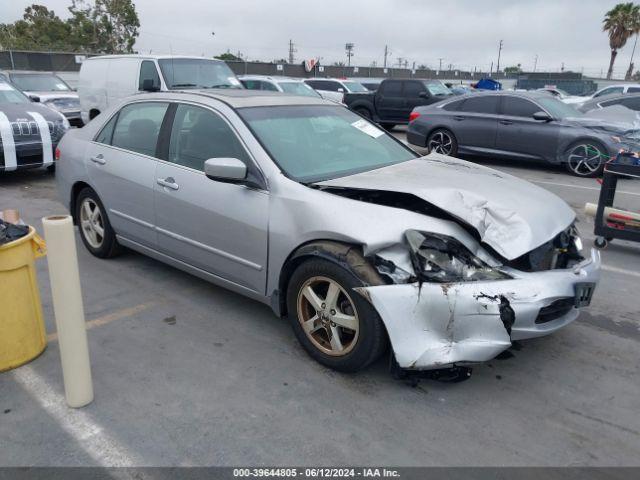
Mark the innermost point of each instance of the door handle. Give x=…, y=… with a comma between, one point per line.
x=168, y=182
x=458, y=117
x=506, y=122
x=99, y=159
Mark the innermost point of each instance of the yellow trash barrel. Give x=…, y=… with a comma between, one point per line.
x=22, y=330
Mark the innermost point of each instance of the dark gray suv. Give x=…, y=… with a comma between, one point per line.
x=520, y=125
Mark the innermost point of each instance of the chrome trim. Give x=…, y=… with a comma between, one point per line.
x=215, y=251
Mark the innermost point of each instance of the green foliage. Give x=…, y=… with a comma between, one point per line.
x=513, y=70
x=228, y=56
x=620, y=23
x=102, y=26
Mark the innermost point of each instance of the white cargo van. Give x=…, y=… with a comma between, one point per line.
x=106, y=79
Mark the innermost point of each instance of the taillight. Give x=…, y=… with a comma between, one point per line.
x=57, y=154
x=413, y=116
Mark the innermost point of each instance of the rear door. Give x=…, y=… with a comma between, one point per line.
x=520, y=135
x=218, y=227
x=475, y=123
x=390, y=102
x=121, y=164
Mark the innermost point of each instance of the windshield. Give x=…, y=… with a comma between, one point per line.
x=437, y=88
x=557, y=108
x=314, y=143
x=8, y=94
x=298, y=88
x=180, y=73
x=355, y=87
x=39, y=83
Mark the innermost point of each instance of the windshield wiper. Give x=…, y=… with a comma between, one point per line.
x=183, y=85
x=221, y=85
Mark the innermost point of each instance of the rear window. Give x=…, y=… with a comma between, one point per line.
x=452, y=106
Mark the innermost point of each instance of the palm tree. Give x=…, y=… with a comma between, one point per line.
x=621, y=22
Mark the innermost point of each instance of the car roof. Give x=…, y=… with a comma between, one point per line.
x=532, y=94
x=270, y=78
x=150, y=57
x=239, y=98
x=611, y=96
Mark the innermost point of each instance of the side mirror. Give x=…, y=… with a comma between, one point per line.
x=34, y=98
x=148, y=85
x=423, y=95
x=224, y=169
x=542, y=117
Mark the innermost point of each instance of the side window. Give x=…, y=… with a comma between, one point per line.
x=138, y=127
x=269, y=86
x=633, y=89
x=413, y=89
x=519, y=107
x=609, y=91
x=453, y=106
x=148, y=71
x=313, y=83
x=107, y=131
x=251, y=84
x=633, y=103
x=199, y=134
x=333, y=86
x=480, y=104
x=391, y=89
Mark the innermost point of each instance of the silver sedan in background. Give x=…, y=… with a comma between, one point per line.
x=301, y=204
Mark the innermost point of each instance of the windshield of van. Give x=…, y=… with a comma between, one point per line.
x=181, y=73
x=37, y=82
x=311, y=143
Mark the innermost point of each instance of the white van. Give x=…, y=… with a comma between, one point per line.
x=107, y=79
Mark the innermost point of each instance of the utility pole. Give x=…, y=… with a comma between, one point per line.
x=499, y=53
x=535, y=63
x=349, y=48
x=386, y=54
x=440, y=67
x=562, y=67
x=400, y=60
x=292, y=50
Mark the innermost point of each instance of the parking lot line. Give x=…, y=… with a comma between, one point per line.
x=97, y=322
x=621, y=271
x=624, y=192
x=89, y=434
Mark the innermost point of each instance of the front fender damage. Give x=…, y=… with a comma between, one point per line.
x=434, y=326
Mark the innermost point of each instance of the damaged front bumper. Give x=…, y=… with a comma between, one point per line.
x=437, y=325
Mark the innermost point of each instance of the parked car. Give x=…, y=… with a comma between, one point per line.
x=294, y=86
x=29, y=132
x=48, y=89
x=630, y=100
x=370, y=83
x=392, y=103
x=462, y=89
x=560, y=94
x=524, y=126
x=334, y=88
x=307, y=207
x=610, y=90
x=107, y=79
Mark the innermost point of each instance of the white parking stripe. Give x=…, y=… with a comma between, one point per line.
x=45, y=136
x=8, y=145
x=621, y=271
x=89, y=434
x=578, y=186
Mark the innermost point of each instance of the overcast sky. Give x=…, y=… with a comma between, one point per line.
x=463, y=33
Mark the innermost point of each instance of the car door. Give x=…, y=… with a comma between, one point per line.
x=475, y=123
x=519, y=134
x=415, y=94
x=121, y=165
x=218, y=227
x=390, y=101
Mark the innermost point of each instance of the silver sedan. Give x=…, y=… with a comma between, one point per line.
x=303, y=205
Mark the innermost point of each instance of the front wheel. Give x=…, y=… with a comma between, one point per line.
x=442, y=141
x=95, y=229
x=585, y=159
x=336, y=326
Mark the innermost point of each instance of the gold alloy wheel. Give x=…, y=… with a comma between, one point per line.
x=328, y=316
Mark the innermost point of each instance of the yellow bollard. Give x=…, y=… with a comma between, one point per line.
x=68, y=309
x=22, y=330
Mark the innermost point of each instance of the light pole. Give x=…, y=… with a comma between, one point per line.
x=349, y=48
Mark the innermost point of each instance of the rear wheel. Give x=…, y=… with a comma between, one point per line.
x=364, y=112
x=442, y=141
x=335, y=325
x=585, y=159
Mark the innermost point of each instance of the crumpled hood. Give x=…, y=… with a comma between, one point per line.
x=614, y=120
x=511, y=215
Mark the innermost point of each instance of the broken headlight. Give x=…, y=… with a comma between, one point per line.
x=442, y=259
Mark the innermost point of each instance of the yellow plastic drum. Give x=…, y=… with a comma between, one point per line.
x=22, y=331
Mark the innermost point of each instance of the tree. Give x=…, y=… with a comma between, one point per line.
x=40, y=28
x=620, y=23
x=228, y=56
x=513, y=70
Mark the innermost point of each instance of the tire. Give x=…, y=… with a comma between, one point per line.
x=102, y=245
x=442, y=141
x=51, y=168
x=388, y=126
x=360, y=345
x=601, y=243
x=585, y=159
x=364, y=112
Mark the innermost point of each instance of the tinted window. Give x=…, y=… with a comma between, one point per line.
x=482, y=104
x=609, y=91
x=633, y=103
x=269, y=86
x=199, y=134
x=519, y=107
x=633, y=89
x=107, y=131
x=148, y=71
x=313, y=83
x=391, y=89
x=251, y=84
x=453, y=105
x=138, y=126
x=413, y=89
